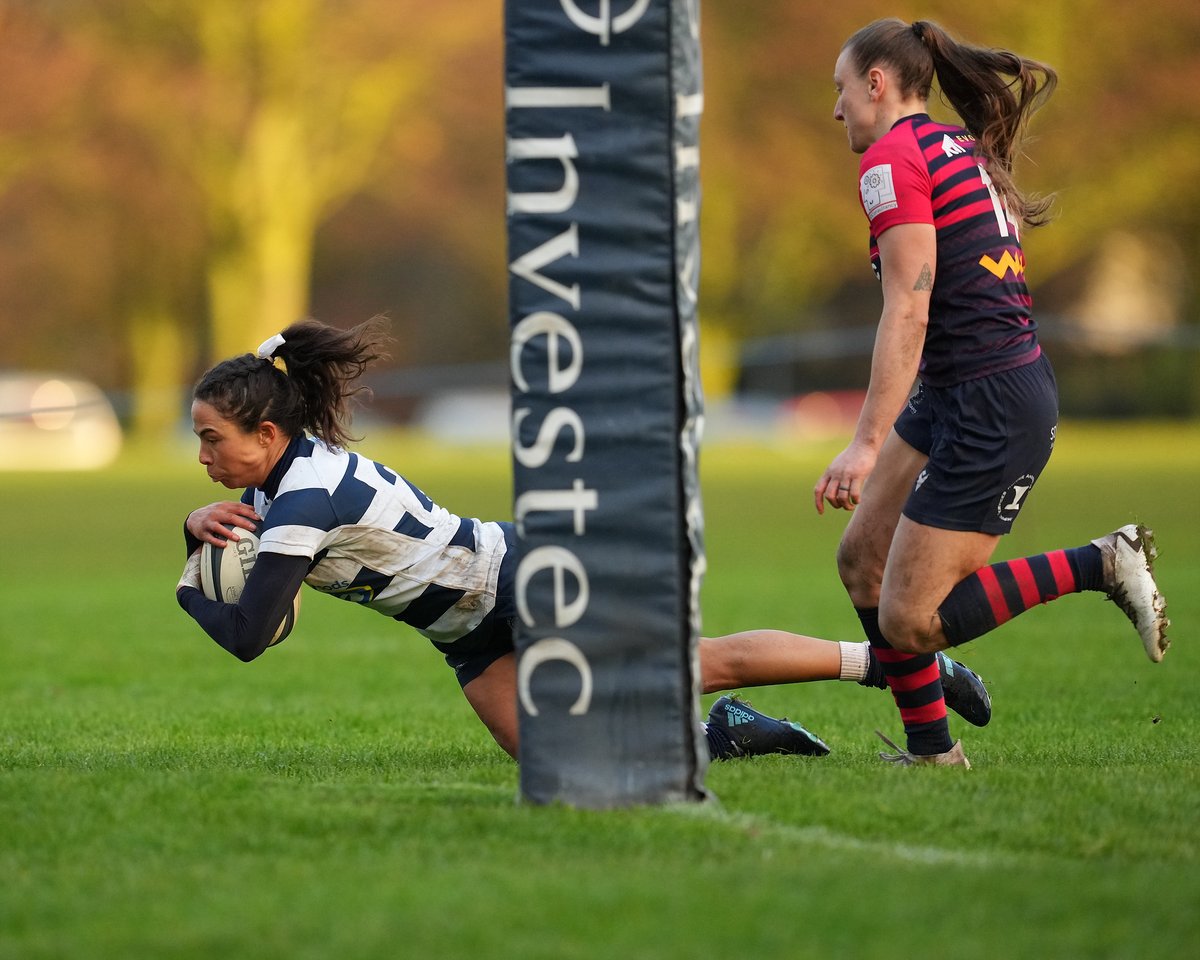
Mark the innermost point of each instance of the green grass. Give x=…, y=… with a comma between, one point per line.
x=338, y=799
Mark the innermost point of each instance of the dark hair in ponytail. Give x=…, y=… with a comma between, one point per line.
x=994, y=92
x=315, y=391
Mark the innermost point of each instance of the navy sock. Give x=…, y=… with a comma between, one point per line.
x=995, y=594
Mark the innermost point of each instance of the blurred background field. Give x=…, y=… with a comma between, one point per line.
x=337, y=797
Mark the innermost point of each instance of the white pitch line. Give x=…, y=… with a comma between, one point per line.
x=831, y=840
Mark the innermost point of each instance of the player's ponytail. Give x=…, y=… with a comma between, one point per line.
x=324, y=364
x=311, y=386
x=995, y=92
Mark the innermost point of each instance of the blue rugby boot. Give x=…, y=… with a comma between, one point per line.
x=964, y=691
x=736, y=729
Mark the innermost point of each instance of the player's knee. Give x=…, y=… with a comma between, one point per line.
x=905, y=631
x=849, y=566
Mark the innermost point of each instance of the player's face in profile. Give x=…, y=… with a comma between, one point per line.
x=854, y=106
x=230, y=456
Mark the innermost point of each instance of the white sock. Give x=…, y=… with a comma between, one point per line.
x=855, y=660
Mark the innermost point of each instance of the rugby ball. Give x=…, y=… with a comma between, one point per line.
x=223, y=573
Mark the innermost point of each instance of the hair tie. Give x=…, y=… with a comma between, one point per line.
x=266, y=350
x=918, y=28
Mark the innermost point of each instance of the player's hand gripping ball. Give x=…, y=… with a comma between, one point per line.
x=223, y=573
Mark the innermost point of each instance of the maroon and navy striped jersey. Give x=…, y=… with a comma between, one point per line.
x=980, y=317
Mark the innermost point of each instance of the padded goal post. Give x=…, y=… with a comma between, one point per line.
x=602, y=104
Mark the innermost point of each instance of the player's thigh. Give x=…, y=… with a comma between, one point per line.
x=493, y=696
x=924, y=565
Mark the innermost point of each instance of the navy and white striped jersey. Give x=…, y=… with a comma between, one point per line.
x=375, y=539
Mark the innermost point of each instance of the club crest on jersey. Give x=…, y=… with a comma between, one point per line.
x=1009, y=504
x=877, y=190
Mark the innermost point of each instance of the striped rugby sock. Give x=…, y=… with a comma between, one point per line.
x=995, y=594
x=916, y=684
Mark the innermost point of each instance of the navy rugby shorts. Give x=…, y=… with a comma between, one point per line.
x=473, y=653
x=987, y=441
x=479, y=649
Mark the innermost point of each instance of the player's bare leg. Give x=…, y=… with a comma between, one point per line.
x=760, y=658
x=756, y=658
x=493, y=696
x=867, y=540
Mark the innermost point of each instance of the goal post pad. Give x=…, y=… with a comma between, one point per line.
x=602, y=107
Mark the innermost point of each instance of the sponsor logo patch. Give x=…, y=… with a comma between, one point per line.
x=344, y=590
x=1007, y=262
x=1011, y=500
x=877, y=190
x=950, y=147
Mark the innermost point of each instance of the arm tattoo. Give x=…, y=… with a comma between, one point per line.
x=925, y=280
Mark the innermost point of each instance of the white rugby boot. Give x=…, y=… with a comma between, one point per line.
x=954, y=757
x=1129, y=580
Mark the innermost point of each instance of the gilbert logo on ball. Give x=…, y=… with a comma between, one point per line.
x=224, y=571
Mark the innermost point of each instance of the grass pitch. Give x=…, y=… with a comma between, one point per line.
x=337, y=798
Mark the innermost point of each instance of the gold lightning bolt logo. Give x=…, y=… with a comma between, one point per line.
x=1004, y=264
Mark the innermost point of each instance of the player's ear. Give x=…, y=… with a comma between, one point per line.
x=268, y=432
x=876, y=83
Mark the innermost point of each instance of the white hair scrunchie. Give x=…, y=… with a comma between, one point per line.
x=266, y=350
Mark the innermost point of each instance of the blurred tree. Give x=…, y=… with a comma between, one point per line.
x=1119, y=142
x=263, y=115
x=288, y=105
x=256, y=118
x=169, y=169
x=84, y=259
x=301, y=99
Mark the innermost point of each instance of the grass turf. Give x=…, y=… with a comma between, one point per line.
x=337, y=797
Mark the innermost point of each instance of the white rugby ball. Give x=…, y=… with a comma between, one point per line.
x=223, y=573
